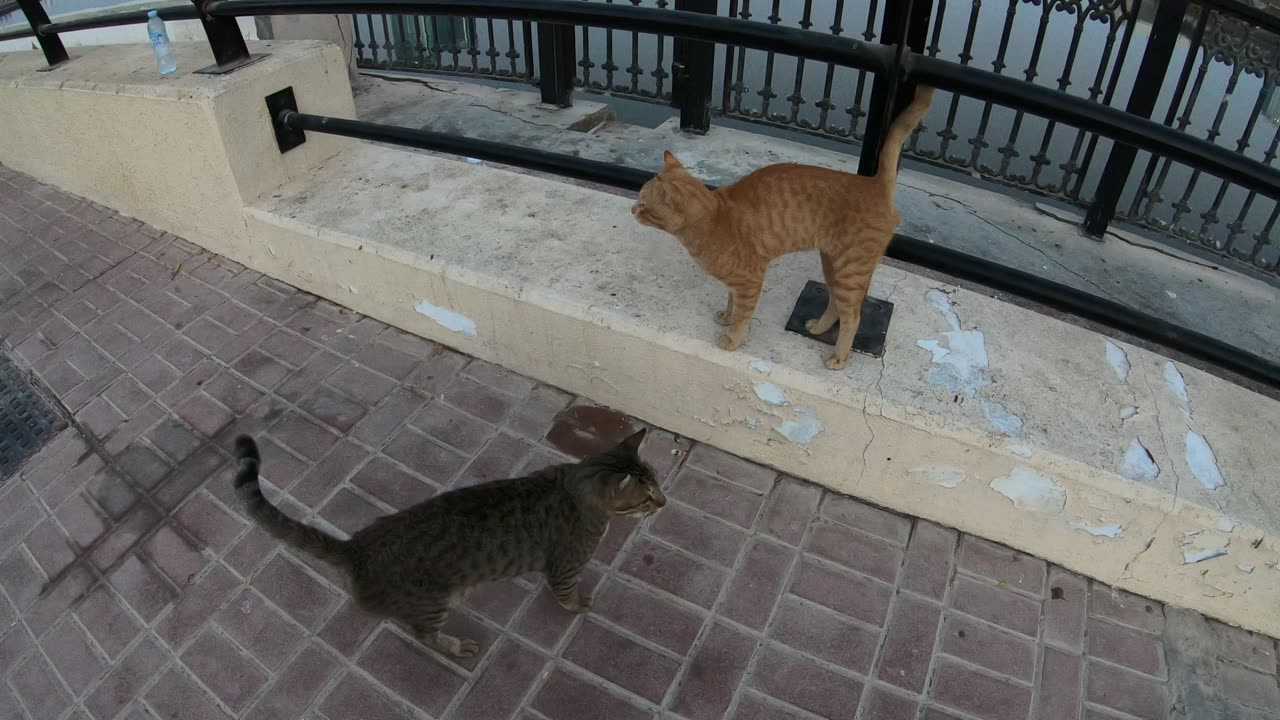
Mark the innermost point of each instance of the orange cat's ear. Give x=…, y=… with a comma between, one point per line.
x=669, y=161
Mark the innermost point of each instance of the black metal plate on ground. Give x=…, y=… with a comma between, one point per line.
x=27, y=419
x=872, y=330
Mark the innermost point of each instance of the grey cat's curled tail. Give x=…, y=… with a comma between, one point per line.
x=281, y=526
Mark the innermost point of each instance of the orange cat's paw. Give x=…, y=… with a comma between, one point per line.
x=816, y=326
x=722, y=318
x=728, y=343
x=835, y=363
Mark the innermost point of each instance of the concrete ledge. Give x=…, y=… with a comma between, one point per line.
x=556, y=281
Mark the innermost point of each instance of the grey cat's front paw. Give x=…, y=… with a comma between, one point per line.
x=580, y=604
x=465, y=648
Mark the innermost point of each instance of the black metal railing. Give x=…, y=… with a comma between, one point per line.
x=893, y=67
x=1092, y=49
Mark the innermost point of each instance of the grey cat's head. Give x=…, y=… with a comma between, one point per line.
x=619, y=481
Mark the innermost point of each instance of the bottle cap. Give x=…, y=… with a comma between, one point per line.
x=151, y=13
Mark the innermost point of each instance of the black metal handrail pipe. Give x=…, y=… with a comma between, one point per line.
x=907, y=249
x=1054, y=104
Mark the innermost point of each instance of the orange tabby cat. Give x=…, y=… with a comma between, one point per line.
x=734, y=232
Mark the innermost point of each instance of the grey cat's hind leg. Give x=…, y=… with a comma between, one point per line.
x=426, y=621
x=565, y=584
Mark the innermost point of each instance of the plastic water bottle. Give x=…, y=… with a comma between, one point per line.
x=160, y=44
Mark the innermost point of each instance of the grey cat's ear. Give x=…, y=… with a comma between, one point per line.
x=632, y=444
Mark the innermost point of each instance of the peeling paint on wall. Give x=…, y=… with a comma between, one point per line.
x=1030, y=490
x=1128, y=412
x=447, y=319
x=804, y=428
x=770, y=393
x=1203, y=463
x=961, y=364
x=1001, y=419
x=1227, y=524
x=1021, y=448
x=762, y=366
x=1245, y=568
x=1108, y=531
x=1190, y=557
x=947, y=476
x=1138, y=463
x=1177, y=384
x=1119, y=360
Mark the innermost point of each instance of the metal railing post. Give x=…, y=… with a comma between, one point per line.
x=229, y=50
x=1165, y=28
x=692, y=65
x=905, y=23
x=556, y=58
x=54, y=52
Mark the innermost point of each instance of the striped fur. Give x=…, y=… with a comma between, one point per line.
x=733, y=233
x=280, y=526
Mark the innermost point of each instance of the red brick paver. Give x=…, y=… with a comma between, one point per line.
x=133, y=586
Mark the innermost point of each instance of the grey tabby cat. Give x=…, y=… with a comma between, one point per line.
x=414, y=565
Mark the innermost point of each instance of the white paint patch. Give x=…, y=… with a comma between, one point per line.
x=1001, y=419
x=475, y=161
x=960, y=366
x=804, y=428
x=1227, y=524
x=762, y=366
x=1029, y=490
x=447, y=319
x=1177, y=384
x=1021, y=448
x=1190, y=557
x=947, y=476
x=770, y=393
x=1245, y=568
x=1203, y=463
x=1128, y=412
x=1107, y=531
x=942, y=302
x=1138, y=463
x=1119, y=360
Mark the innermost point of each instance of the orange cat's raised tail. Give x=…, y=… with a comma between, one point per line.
x=735, y=231
x=899, y=131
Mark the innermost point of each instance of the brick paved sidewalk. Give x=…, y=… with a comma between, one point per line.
x=133, y=587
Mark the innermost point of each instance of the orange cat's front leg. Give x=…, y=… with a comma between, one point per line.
x=742, y=298
x=725, y=316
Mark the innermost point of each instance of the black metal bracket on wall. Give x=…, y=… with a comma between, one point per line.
x=1165, y=29
x=556, y=58
x=226, y=41
x=279, y=105
x=55, y=53
x=692, y=65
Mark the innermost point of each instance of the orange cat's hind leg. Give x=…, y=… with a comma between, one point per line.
x=725, y=316
x=744, y=294
x=848, y=290
x=819, y=325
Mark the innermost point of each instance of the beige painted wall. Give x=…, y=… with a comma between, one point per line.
x=183, y=152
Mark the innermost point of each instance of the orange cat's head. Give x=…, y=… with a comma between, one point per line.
x=673, y=199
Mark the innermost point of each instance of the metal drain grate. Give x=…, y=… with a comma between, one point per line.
x=27, y=419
